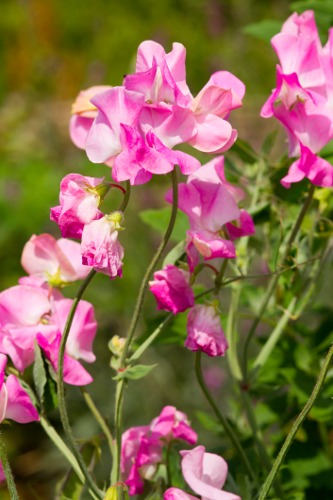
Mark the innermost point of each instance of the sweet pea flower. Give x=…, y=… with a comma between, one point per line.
x=209, y=201
x=205, y=473
x=100, y=247
x=15, y=403
x=26, y=311
x=142, y=447
x=80, y=197
x=173, y=424
x=204, y=331
x=57, y=262
x=172, y=290
x=83, y=114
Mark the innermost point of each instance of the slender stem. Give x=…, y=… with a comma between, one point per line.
x=155, y=259
x=8, y=472
x=115, y=474
x=223, y=421
x=274, y=281
x=126, y=197
x=98, y=417
x=54, y=436
x=61, y=389
x=232, y=334
x=219, y=277
x=167, y=464
x=296, y=425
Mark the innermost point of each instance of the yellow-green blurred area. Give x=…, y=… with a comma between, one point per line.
x=49, y=51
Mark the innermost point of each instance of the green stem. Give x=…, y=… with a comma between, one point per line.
x=144, y=346
x=296, y=425
x=223, y=421
x=232, y=335
x=8, y=472
x=61, y=390
x=126, y=197
x=167, y=464
x=115, y=474
x=272, y=285
x=98, y=417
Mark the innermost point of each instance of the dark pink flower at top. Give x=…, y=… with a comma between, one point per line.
x=15, y=403
x=83, y=114
x=100, y=247
x=80, y=197
x=57, y=262
x=204, y=331
x=172, y=290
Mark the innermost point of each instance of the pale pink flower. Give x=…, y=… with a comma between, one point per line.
x=204, y=331
x=172, y=290
x=205, y=473
x=57, y=262
x=100, y=247
x=15, y=403
x=80, y=197
x=83, y=114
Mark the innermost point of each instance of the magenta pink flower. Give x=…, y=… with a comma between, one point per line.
x=100, y=247
x=317, y=170
x=15, y=403
x=205, y=473
x=173, y=424
x=80, y=198
x=142, y=447
x=204, y=331
x=57, y=262
x=83, y=114
x=172, y=290
x=209, y=201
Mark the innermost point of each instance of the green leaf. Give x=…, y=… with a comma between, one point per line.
x=244, y=151
x=39, y=374
x=174, y=254
x=269, y=142
x=135, y=372
x=158, y=219
x=209, y=423
x=264, y=30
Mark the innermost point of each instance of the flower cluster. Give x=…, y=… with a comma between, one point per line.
x=142, y=447
x=302, y=100
x=211, y=204
x=33, y=311
x=134, y=127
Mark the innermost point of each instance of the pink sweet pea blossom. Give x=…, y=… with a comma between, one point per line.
x=100, y=247
x=173, y=424
x=204, y=331
x=172, y=290
x=205, y=473
x=210, y=203
x=83, y=114
x=26, y=311
x=317, y=170
x=15, y=403
x=57, y=262
x=80, y=197
x=142, y=447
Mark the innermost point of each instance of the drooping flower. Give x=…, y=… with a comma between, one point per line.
x=172, y=290
x=205, y=473
x=100, y=247
x=57, y=262
x=80, y=197
x=173, y=424
x=204, y=331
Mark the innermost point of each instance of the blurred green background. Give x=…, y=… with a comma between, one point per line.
x=49, y=51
